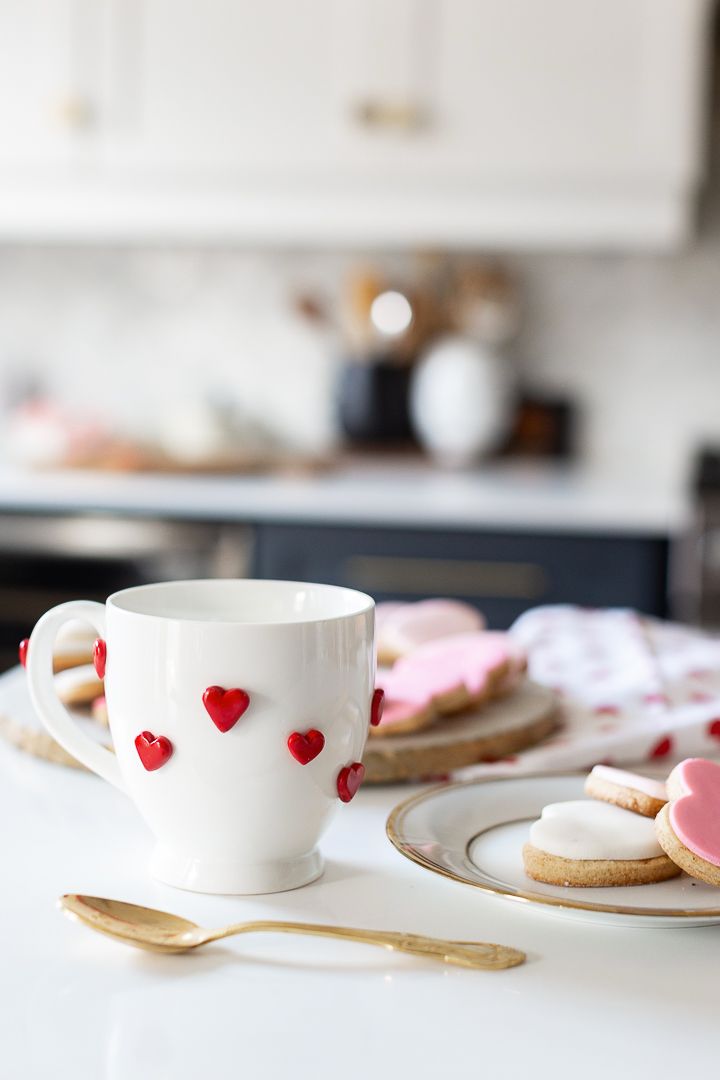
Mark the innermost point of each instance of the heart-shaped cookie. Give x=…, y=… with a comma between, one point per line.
x=153, y=750
x=225, y=707
x=627, y=790
x=589, y=843
x=400, y=628
x=447, y=676
x=349, y=780
x=688, y=828
x=100, y=657
x=305, y=746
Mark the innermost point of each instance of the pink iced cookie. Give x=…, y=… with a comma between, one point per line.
x=688, y=828
x=443, y=677
x=385, y=612
x=516, y=662
x=401, y=628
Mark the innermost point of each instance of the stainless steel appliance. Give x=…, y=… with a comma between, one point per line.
x=45, y=560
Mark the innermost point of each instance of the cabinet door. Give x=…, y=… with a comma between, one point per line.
x=224, y=90
x=571, y=90
x=504, y=574
x=421, y=122
x=49, y=66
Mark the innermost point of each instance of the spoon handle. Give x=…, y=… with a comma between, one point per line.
x=469, y=954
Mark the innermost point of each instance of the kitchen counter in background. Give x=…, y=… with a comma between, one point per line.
x=509, y=496
x=505, y=538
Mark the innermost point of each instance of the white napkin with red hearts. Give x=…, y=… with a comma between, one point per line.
x=632, y=689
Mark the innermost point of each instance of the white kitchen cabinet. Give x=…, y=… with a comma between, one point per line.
x=39, y=102
x=456, y=123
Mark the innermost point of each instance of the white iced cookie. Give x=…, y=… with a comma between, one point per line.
x=73, y=645
x=589, y=843
x=78, y=685
x=628, y=790
x=400, y=628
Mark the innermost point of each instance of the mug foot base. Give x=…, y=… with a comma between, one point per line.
x=240, y=879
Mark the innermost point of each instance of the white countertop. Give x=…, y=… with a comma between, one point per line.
x=501, y=497
x=593, y=1000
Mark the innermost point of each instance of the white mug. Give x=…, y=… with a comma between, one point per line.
x=238, y=711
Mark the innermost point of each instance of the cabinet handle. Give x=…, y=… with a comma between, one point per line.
x=451, y=577
x=390, y=115
x=75, y=113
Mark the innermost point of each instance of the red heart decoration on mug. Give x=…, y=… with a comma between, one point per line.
x=225, y=707
x=306, y=746
x=99, y=657
x=22, y=650
x=349, y=780
x=376, y=709
x=153, y=750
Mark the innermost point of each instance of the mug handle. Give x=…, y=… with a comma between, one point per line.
x=48, y=706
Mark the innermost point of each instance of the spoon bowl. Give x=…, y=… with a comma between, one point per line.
x=159, y=931
x=146, y=928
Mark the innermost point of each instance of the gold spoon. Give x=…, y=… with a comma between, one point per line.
x=159, y=931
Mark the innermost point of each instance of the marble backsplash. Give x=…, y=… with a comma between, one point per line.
x=634, y=339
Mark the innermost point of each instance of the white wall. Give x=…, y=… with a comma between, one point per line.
x=637, y=341
x=132, y=334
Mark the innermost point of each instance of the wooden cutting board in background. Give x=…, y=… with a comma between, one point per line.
x=503, y=727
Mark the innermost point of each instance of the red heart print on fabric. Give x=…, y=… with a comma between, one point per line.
x=376, y=709
x=349, y=780
x=714, y=729
x=153, y=750
x=22, y=651
x=99, y=657
x=305, y=746
x=225, y=707
x=656, y=699
x=662, y=748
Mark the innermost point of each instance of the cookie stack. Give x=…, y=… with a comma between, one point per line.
x=436, y=660
x=77, y=681
x=79, y=685
x=632, y=830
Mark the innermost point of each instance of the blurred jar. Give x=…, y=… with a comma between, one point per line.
x=372, y=401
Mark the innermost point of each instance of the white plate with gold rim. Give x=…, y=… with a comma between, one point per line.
x=474, y=833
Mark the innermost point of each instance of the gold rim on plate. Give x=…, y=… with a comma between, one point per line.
x=410, y=852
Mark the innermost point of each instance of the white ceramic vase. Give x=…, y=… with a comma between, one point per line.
x=459, y=401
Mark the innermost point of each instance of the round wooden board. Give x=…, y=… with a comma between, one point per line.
x=503, y=727
x=20, y=726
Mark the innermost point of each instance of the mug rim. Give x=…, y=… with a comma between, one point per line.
x=363, y=601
